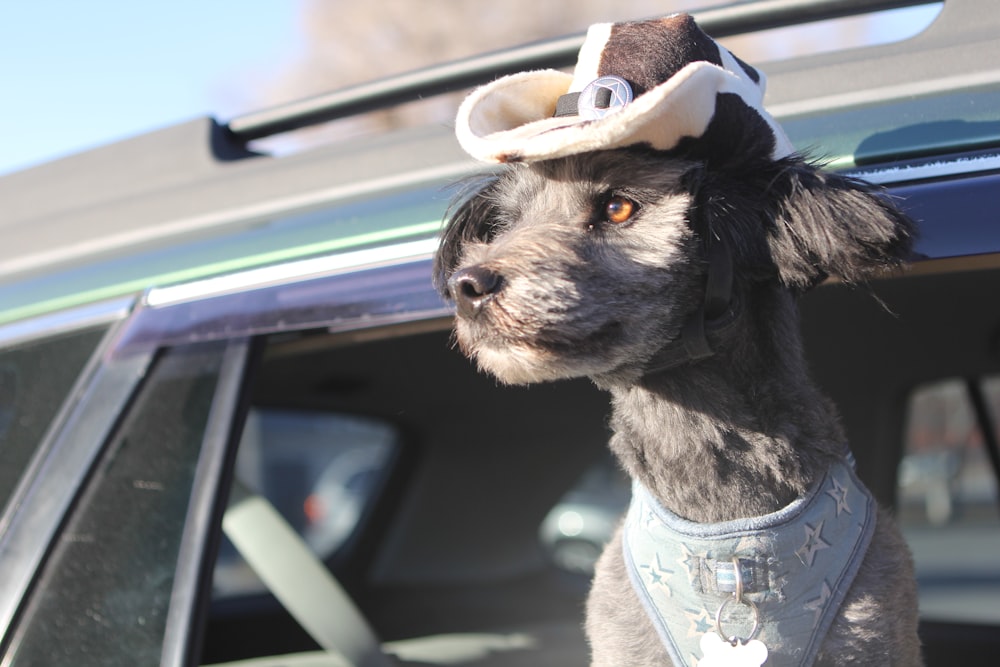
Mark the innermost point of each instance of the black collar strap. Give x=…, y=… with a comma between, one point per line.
x=717, y=314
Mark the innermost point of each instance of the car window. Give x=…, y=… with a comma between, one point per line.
x=35, y=379
x=914, y=126
x=948, y=504
x=103, y=595
x=320, y=470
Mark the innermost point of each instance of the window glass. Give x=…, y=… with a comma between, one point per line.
x=320, y=470
x=35, y=378
x=911, y=127
x=948, y=502
x=102, y=596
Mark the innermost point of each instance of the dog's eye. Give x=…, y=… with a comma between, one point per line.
x=620, y=209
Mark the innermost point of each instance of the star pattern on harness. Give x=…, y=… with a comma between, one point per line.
x=753, y=544
x=658, y=574
x=700, y=621
x=795, y=570
x=690, y=561
x=813, y=544
x=817, y=604
x=839, y=494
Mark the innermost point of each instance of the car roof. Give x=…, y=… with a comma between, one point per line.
x=171, y=206
x=191, y=200
x=193, y=177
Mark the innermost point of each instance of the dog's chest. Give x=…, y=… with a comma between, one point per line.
x=778, y=578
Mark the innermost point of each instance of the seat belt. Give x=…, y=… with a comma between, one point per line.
x=300, y=582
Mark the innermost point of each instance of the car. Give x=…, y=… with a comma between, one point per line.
x=234, y=430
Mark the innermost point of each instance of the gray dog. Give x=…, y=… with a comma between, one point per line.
x=652, y=230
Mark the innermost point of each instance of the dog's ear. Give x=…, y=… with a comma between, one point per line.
x=815, y=223
x=470, y=218
x=825, y=224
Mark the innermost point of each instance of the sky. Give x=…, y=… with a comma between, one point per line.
x=75, y=74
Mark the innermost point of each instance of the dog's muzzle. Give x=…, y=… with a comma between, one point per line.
x=471, y=288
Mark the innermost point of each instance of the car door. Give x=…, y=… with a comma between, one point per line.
x=110, y=549
x=117, y=583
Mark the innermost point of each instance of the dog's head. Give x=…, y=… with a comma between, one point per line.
x=592, y=250
x=568, y=267
x=588, y=264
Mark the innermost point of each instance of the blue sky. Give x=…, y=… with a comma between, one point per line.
x=79, y=73
x=75, y=74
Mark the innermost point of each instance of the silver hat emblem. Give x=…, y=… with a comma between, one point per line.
x=603, y=96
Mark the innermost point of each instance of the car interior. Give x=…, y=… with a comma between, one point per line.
x=443, y=555
x=449, y=542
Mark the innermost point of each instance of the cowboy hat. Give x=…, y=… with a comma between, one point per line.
x=662, y=83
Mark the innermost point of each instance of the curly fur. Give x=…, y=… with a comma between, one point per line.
x=548, y=288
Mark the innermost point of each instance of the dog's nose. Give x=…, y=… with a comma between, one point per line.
x=471, y=288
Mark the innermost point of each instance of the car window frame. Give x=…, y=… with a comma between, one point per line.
x=314, y=294
x=190, y=595
x=342, y=292
x=73, y=439
x=70, y=352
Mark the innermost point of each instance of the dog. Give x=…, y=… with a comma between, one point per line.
x=651, y=228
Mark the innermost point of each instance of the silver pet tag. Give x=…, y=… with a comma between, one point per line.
x=721, y=653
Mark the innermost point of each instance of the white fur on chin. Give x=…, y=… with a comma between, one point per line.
x=515, y=364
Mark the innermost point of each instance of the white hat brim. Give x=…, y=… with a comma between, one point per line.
x=511, y=119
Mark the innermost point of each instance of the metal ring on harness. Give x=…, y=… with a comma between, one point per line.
x=738, y=597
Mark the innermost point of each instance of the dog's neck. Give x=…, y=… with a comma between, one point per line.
x=740, y=434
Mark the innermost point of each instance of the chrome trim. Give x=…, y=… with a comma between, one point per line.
x=57, y=472
x=201, y=517
x=93, y=314
x=289, y=272
x=954, y=166
x=392, y=285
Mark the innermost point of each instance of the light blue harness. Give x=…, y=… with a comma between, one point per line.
x=791, y=569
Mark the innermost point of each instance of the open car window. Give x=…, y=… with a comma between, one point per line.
x=320, y=470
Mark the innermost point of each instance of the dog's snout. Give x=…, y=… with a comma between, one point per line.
x=472, y=287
